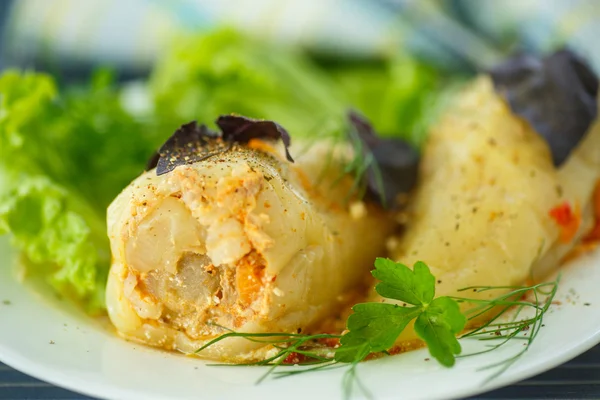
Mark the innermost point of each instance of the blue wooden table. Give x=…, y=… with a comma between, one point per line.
x=577, y=379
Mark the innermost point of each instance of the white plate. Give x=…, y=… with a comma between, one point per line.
x=50, y=340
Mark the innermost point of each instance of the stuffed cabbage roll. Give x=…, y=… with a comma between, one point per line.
x=484, y=211
x=240, y=240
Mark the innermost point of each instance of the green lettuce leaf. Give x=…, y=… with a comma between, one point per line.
x=226, y=72
x=57, y=237
x=63, y=158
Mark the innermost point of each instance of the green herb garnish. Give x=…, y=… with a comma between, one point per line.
x=374, y=327
x=526, y=328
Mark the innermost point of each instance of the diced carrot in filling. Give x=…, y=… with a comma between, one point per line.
x=249, y=278
x=567, y=219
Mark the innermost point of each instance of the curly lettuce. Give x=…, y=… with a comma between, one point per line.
x=226, y=72
x=63, y=157
x=399, y=96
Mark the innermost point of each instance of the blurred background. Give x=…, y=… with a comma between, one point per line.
x=71, y=37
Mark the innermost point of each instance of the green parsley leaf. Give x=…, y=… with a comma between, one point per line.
x=438, y=326
x=373, y=327
x=399, y=282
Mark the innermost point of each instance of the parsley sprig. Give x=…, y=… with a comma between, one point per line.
x=374, y=327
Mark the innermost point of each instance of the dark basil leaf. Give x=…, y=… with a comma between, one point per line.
x=242, y=129
x=395, y=163
x=189, y=144
x=556, y=95
x=192, y=143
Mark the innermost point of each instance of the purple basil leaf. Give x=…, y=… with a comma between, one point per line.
x=189, y=144
x=556, y=95
x=396, y=163
x=192, y=143
x=240, y=129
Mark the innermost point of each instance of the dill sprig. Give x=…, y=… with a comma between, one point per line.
x=287, y=344
x=351, y=379
x=361, y=163
x=381, y=169
x=338, y=133
x=535, y=299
